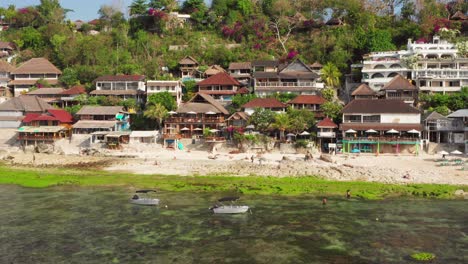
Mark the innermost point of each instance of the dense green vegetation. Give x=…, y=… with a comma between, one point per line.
x=45, y=177
x=264, y=29
x=423, y=256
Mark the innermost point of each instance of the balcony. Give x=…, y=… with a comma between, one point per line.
x=326, y=134
x=287, y=84
x=39, y=137
x=195, y=120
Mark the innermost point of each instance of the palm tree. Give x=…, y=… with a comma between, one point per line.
x=331, y=75
x=282, y=123
x=156, y=112
x=138, y=7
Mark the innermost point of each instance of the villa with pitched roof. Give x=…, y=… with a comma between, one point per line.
x=380, y=126
x=271, y=77
x=222, y=87
x=188, y=67
x=101, y=118
x=266, y=103
x=241, y=71
x=308, y=102
x=14, y=110
x=191, y=118
x=326, y=133
x=363, y=91
x=29, y=73
x=400, y=88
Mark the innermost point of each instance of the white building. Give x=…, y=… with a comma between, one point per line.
x=435, y=67
x=122, y=86
x=173, y=87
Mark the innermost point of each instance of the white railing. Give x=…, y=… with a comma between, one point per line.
x=326, y=134
x=286, y=84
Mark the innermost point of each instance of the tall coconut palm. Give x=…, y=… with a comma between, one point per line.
x=282, y=123
x=331, y=75
x=156, y=112
x=138, y=7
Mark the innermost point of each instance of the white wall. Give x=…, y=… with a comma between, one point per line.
x=401, y=118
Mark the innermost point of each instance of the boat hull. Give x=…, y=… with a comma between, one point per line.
x=145, y=201
x=234, y=209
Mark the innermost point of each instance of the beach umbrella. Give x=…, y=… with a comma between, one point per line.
x=350, y=131
x=210, y=113
x=290, y=135
x=197, y=129
x=172, y=112
x=456, y=152
x=443, y=152
x=413, y=131
x=191, y=113
x=250, y=127
x=184, y=129
x=392, y=131
x=214, y=130
x=371, y=131
x=304, y=133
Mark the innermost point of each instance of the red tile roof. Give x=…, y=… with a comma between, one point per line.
x=387, y=106
x=363, y=90
x=243, y=90
x=52, y=115
x=77, y=89
x=120, y=78
x=327, y=122
x=264, y=103
x=62, y=115
x=222, y=78
x=307, y=99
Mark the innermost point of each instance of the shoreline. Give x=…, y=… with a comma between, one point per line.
x=260, y=185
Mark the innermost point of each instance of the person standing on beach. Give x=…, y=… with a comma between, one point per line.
x=348, y=194
x=324, y=201
x=252, y=158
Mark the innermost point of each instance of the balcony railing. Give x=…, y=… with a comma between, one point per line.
x=326, y=134
x=383, y=139
x=195, y=120
x=404, y=98
x=286, y=84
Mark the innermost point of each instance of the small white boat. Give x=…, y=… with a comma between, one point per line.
x=143, y=197
x=229, y=209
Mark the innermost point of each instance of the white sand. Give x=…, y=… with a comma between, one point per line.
x=384, y=168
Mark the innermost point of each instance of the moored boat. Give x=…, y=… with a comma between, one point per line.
x=144, y=197
x=229, y=209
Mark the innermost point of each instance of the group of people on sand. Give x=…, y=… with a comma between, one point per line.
x=348, y=196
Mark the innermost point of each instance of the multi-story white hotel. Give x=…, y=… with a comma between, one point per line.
x=435, y=67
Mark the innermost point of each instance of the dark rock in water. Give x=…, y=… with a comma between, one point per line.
x=326, y=158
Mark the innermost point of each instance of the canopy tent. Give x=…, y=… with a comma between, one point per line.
x=456, y=152
x=350, y=131
x=443, y=152
x=371, y=131
x=392, y=131
x=304, y=133
x=413, y=131
x=185, y=129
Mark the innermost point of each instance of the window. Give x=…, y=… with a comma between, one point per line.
x=352, y=119
x=371, y=119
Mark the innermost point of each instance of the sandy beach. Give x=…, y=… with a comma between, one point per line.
x=384, y=168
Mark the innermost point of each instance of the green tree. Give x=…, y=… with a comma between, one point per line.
x=191, y=6
x=282, y=123
x=331, y=109
x=50, y=11
x=262, y=119
x=168, y=5
x=331, y=75
x=381, y=40
x=164, y=98
x=189, y=90
x=239, y=100
x=301, y=119
x=156, y=112
x=328, y=94
x=69, y=77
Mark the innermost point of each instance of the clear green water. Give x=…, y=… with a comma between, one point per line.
x=98, y=225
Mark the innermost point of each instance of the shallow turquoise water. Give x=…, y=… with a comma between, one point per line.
x=98, y=225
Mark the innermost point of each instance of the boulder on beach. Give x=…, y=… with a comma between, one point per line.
x=326, y=158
